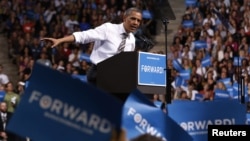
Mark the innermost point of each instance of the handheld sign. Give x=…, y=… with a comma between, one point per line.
x=146, y=14
x=195, y=116
x=2, y=94
x=200, y=44
x=142, y=116
x=190, y=3
x=248, y=119
x=56, y=106
x=188, y=24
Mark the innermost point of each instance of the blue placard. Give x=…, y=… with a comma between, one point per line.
x=206, y=61
x=190, y=3
x=179, y=81
x=199, y=97
x=177, y=65
x=188, y=24
x=237, y=61
x=248, y=119
x=220, y=94
x=200, y=44
x=85, y=57
x=61, y=108
x=142, y=116
x=185, y=74
x=146, y=14
x=195, y=116
x=2, y=95
x=226, y=81
x=81, y=77
x=151, y=69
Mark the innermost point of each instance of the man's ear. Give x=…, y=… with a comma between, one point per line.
x=124, y=18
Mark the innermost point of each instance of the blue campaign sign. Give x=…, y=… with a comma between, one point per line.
x=206, y=61
x=191, y=2
x=57, y=107
x=248, y=119
x=220, y=94
x=199, y=97
x=188, y=24
x=195, y=116
x=81, y=77
x=142, y=116
x=85, y=57
x=177, y=65
x=185, y=74
x=227, y=81
x=146, y=14
x=200, y=44
x=151, y=69
x=237, y=61
x=2, y=95
x=179, y=81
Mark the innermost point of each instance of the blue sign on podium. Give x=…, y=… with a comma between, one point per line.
x=151, y=69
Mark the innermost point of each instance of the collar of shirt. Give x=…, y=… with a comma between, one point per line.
x=122, y=30
x=4, y=114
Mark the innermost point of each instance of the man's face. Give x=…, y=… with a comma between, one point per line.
x=3, y=107
x=132, y=21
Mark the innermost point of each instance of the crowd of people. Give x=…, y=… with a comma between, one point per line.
x=223, y=25
x=25, y=23
x=216, y=32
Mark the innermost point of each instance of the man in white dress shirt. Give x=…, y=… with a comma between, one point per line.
x=107, y=38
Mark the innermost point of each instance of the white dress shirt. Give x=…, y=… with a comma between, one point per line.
x=107, y=39
x=201, y=71
x=4, y=119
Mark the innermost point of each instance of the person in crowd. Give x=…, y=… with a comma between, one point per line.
x=20, y=88
x=184, y=95
x=107, y=38
x=4, y=79
x=190, y=90
x=44, y=60
x=84, y=66
x=74, y=57
x=147, y=137
x=121, y=136
x=5, y=116
x=11, y=98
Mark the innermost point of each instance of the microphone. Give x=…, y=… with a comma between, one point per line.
x=143, y=43
x=140, y=37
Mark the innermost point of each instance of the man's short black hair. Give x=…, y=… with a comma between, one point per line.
x=147, y=137
x=132, y=9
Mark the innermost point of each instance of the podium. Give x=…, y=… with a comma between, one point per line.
x=119, y=75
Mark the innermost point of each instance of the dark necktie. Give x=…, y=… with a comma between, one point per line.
x=123, y=42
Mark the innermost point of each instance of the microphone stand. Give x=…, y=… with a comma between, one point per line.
x=241, y=81
x=242, y=91
x=168, y=71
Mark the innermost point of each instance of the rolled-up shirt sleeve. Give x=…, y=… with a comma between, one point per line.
x=99, y=33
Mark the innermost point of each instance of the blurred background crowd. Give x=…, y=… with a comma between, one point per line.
x=212, y=44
